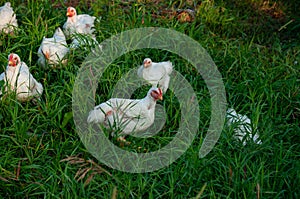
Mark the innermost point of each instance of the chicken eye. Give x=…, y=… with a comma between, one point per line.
x=15, y=58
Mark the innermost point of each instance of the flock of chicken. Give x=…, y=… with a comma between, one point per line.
x=132, y=116
x=128, y=115
x=52, y=51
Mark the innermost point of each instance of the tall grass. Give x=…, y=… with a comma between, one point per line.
x=260, y=68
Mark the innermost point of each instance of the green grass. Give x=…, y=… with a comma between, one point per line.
x=260, y=67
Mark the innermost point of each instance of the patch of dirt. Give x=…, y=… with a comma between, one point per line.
x=270, y=9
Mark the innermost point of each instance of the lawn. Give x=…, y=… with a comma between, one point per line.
x=255, y=45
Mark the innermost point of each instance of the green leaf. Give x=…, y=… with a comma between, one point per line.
x=67, y=117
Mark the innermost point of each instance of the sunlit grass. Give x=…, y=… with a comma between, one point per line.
x=260, y=69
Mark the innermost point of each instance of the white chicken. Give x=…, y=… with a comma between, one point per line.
x=241, y=127
x=18, y=79
x=127, y=115
x=53, y=50
x=156, y=73
x=8, y=20
x=82, y=24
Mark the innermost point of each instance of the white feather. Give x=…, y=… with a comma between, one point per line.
x=55, y=47
x=8, y=19
x=80, y=24
x=18, y=79
x=157, y=74
x=241, y=127
x=128, y=115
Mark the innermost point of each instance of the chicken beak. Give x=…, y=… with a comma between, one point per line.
x=10, y=63
x=68, y=14
x=160, y=97
x=146, y=65
x=47, y=55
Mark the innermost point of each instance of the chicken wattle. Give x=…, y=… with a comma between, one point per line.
x=127, y=116
x=8, y=20
x=18, y=79
x=157, y=74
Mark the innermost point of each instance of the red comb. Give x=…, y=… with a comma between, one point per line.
x=160, y=91
x=11, y=56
